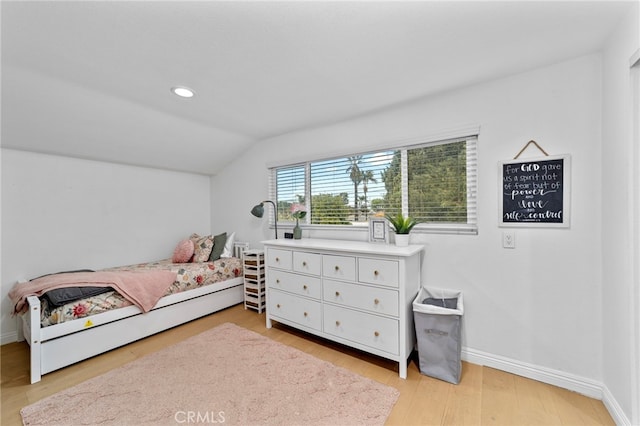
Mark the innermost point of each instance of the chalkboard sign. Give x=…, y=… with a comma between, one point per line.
x=535, y=192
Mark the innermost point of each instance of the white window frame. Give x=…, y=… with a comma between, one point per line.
x=470, y=227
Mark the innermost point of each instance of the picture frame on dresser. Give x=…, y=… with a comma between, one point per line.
x=378, y=230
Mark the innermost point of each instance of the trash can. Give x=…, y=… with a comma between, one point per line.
x=437, y=315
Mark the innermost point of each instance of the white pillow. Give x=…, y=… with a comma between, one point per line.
x=228, y=246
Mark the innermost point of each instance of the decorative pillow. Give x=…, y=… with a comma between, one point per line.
x=183, y=252
x=61, y=296
x=202, y=247
x=218, y=246
x=63, y=272
x=228, y=246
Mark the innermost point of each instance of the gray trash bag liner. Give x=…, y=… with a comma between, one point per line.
x=438, y=332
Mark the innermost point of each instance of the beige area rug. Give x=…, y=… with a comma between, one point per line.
x=226, y=375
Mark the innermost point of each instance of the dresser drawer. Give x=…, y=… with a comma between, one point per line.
x=307, y=263
x=370, y=330
x=279, y=259
x=303, y=285
x=302, y=311
x=376, y=300
x=339, y=267
x=380, y=272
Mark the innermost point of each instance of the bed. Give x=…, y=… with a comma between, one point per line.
x=59, y=336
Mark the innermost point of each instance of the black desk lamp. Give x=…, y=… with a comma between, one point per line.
x=258, y=211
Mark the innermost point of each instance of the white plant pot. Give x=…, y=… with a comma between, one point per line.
x=402, y=240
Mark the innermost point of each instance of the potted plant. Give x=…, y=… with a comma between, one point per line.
x=298, y=211
x=402, y=226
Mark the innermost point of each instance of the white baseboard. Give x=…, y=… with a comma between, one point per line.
x=9, y=337
x=614, y=408
x=582, y=385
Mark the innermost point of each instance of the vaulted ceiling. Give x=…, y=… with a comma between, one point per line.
x=92, y=79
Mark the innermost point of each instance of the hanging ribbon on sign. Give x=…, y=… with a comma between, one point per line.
x=527, y=146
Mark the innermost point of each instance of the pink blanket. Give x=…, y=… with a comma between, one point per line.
x=143, y=289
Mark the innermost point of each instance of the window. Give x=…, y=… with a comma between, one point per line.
x=433, y=182
x=291, y=184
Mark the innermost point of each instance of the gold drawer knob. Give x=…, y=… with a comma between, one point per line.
x=278, y=306
x=337, y=268
x=304, y=263
x=277, y=281
x=305, y=314
x=376, y=273
x=277, y=259
x=337, y=293
x=304, y=287
x=375, y=333
x=376, y=301
x=337, y=323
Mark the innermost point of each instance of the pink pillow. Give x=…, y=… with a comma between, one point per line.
x=183, y=252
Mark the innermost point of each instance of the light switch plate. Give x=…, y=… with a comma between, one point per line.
x=509, y=239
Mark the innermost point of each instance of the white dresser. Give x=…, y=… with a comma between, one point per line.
x=355, y=293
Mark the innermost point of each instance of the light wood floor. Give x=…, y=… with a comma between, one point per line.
x=484, y=396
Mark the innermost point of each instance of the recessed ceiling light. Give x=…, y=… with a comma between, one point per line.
x=183, y=92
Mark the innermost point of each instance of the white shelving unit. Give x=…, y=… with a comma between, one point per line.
x=254, y=280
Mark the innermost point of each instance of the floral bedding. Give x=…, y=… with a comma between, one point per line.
x=189, y=276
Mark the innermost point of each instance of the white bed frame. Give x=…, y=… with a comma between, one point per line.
x=60, y=345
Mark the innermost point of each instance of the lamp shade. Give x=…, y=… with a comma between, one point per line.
x=258, y=210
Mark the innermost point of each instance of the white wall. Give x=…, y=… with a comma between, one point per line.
x=62, y=213
x=620, y=302
x=537, y=304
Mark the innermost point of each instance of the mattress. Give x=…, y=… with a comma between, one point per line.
x=189, y=276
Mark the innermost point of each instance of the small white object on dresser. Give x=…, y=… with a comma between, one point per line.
x=355, y=293
x=253, y=265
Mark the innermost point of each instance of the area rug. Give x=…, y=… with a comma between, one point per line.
x=226, y=375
